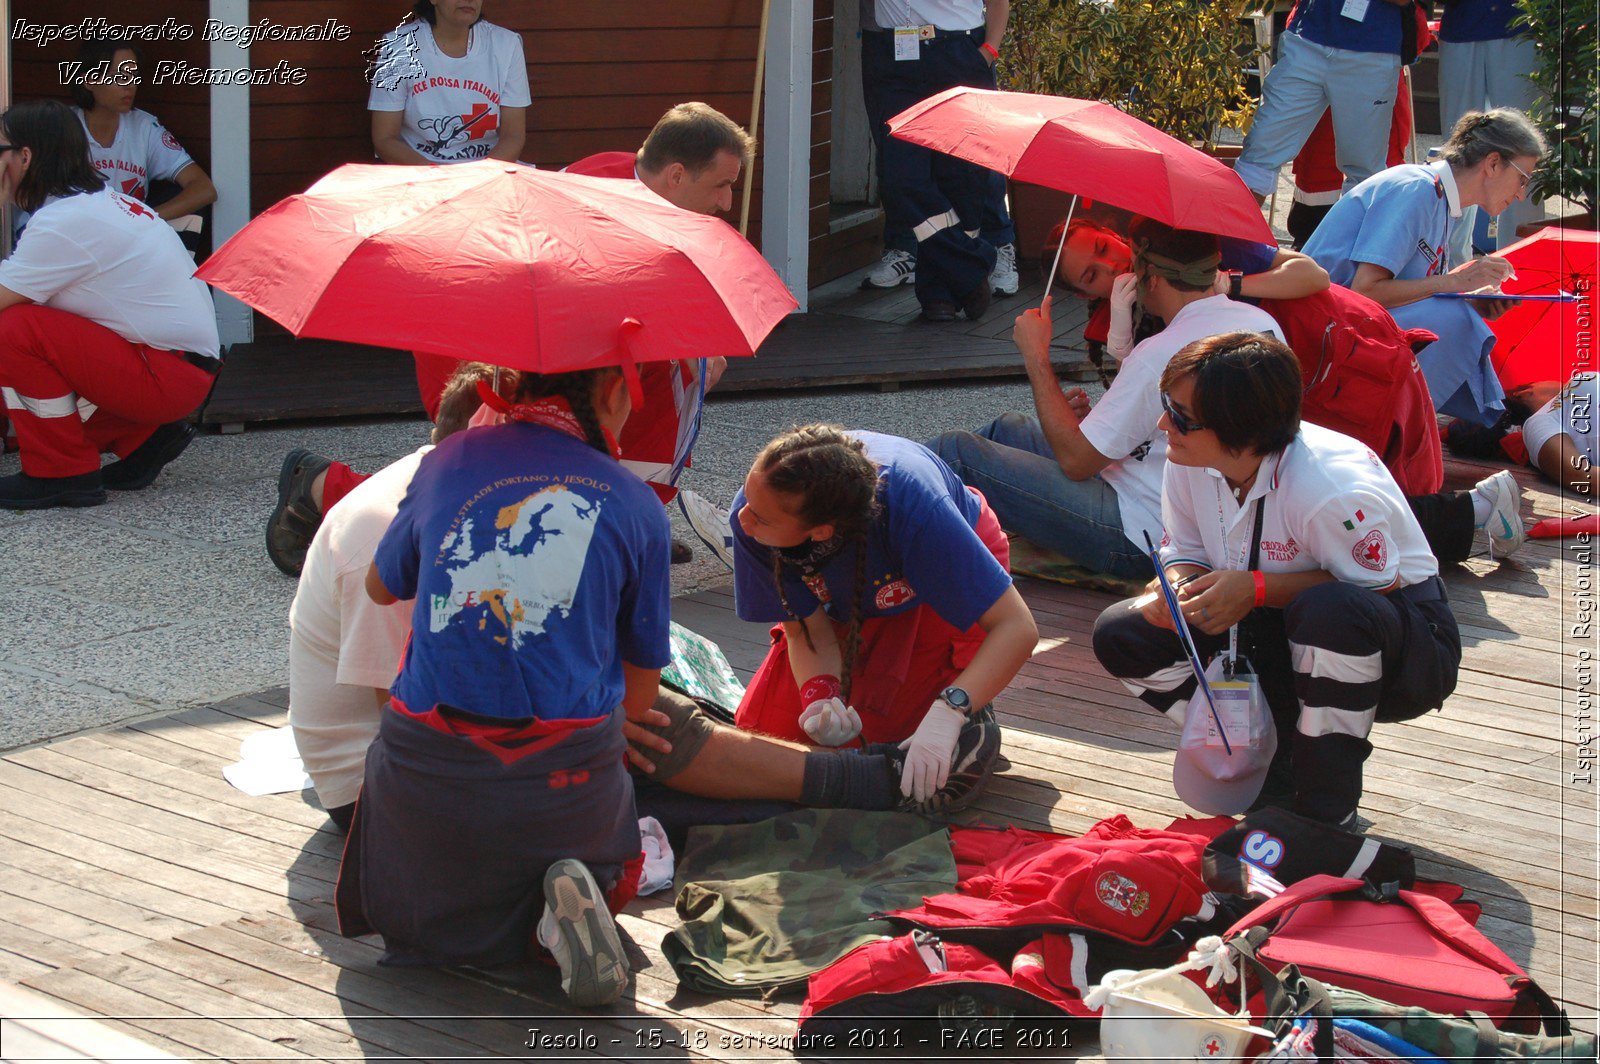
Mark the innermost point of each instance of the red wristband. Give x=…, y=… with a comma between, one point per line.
x=994, y=53
x=1261, y=586
x=818, y=688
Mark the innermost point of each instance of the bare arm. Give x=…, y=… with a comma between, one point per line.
x=996, y=16
x=8, y=298
x=1562, y=461
x=826, y=660
x=376, y=591
x=1010, y=636
x=382, y=695
x=1292, y=275
x=196, y=190
x=1074, y=453
x=1380, y=286
x=513, y=134
x=386, y=140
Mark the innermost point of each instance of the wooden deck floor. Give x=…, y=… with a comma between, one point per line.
x=137, y=885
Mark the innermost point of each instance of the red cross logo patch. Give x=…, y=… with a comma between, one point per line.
x=1211, y=1046
x=1372, y=552
x=479, y=122
x=891, y=595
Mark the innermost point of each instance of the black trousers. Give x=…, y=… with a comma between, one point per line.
x=1446, y=520
x=1338, y=658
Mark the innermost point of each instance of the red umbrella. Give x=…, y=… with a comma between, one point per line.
x=1091, y=150
x=1541, y=341
x=503, y=263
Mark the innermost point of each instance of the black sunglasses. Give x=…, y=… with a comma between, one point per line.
x=8, y=147
x=1182, y=422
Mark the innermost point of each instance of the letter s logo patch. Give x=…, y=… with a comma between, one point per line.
x=1262, y=849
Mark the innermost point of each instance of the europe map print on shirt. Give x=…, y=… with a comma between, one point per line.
x=511, y=577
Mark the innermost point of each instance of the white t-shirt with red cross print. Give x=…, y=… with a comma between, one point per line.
x=451, y=106
x=141, y=152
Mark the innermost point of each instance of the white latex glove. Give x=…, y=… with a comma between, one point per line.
x=830, y=722
x=929, y=752
x=1119, y=337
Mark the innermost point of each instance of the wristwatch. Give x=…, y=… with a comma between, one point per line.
x=958, y=700
x=1235, y=284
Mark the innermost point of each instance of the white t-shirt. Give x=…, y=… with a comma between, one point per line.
x=341, y=643
x=1330, y=504
x=945, y=14
x=141, y=152
x=451, y=106
x=109, y=258
x=1572, y=412
x=1122, y=425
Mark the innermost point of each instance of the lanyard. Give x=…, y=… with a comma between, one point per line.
x=1250, y=555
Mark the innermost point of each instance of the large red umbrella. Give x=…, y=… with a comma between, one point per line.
x=1091, y=150
x=502, y=263
x=1549, y=341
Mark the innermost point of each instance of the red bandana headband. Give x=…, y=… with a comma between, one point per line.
x=551, y=411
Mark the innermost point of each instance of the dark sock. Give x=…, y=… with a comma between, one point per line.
x=840, y=779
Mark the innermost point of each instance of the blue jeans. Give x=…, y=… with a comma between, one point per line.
x=1010, y=461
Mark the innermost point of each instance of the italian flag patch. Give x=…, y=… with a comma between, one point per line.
x=1350, y=526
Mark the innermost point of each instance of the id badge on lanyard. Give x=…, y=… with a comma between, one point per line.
x=1239, y=688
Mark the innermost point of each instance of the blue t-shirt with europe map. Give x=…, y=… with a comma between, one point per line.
x=538, y=565
x=921, y=550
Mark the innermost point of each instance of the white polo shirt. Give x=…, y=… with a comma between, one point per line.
x=141, y=152
x=342, y=645
x=109, y=258
x=1571, y=413
x=1122, y=425
x=944, y=14
x=1329, y=504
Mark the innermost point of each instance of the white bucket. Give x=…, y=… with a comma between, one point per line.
x=1168, y=1018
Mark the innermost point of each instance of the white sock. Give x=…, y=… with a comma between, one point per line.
x=1482, y=507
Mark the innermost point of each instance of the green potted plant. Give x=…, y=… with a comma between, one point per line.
x=1568, y=106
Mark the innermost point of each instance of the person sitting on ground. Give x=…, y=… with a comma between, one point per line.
x=895, y=618
x=1389, y=239
x=1087, y=483
x=345, y=650
x=1341, y=612
x=691, y=159
x=127, y=145
x=107, y=339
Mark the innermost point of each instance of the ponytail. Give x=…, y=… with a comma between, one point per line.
x=577, y=389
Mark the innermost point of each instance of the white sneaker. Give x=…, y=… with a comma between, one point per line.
x=710, y=522
x=1004, y=278
x=1506, y=532
x=895, y=268
x=579, y=932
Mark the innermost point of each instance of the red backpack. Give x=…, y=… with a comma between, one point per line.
x=1362, y=379
x=1407, y=947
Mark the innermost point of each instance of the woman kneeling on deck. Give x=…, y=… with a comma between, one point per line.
x=1298, y=535
x=496, y=808
x=897, y=619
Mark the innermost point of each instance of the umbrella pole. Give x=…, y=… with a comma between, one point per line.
x=1051, y=279
x=755, y=117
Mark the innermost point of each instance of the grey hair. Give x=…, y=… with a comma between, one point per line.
x=1505, y=131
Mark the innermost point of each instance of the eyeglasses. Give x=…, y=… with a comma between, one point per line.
x=1526, y=177
x=8, y=147
x=1182, y=422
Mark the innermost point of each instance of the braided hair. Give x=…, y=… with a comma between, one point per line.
x=835, y=483
x=577, y=388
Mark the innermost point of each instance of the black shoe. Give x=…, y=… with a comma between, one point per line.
x=681, y=552
x=939, y=310
x=295, y=521
x=976, y=302
x=977, y=750
x=22, y=492
x=139, y=469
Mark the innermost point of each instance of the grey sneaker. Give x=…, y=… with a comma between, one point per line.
x=894, y=269
x=977, y=750
x=1505, y=528
x=1004, y=278
x=710, y=522
x=578, y=929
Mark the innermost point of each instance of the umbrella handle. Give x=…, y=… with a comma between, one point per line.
x=629, y=363
x=1051, y=279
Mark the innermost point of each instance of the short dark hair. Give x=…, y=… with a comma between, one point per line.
x=692, y=134
x=460, y=399
x=1247, y=389
x=91, y=54
x=60, y=165
x=1186, y=246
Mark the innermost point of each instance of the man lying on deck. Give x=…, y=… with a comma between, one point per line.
x=344, y=652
